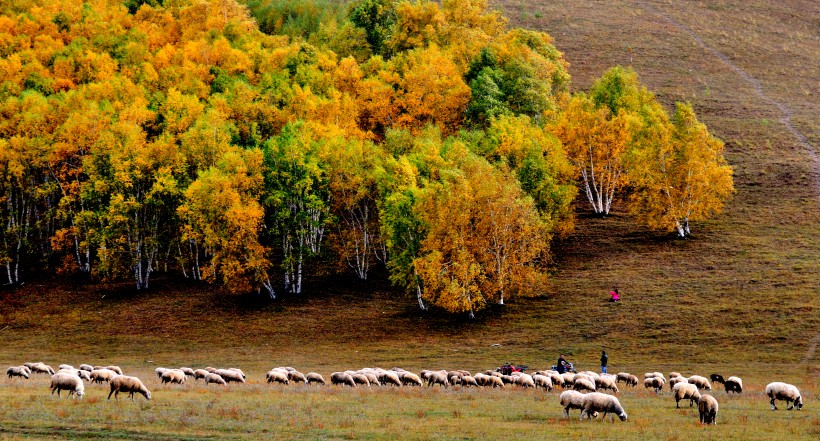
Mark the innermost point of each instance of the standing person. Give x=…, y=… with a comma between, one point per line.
x=614, y=296
x=563, y=365
x=604, y=359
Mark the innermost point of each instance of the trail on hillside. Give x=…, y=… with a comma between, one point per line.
x=785, y=112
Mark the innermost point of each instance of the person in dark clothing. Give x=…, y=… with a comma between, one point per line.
x=604, y=359
x=563, y=365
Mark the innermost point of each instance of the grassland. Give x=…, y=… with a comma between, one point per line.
x=740, y=298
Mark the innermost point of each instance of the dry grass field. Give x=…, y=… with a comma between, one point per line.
x=740, y=298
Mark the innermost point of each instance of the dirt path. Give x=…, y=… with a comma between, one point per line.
x=785, y=112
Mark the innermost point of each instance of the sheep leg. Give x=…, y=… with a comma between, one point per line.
x=677, y=403
x=583, y=411
x=773, y=406
x=566, y=412
x=787, y=404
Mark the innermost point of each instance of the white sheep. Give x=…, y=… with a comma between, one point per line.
x=65, y=381
x=40, y=368
x=684, y=391
x=214, y=378
x=187, y=371
x=434, y=378
x=122, y=383
x=674, y=374
x=160, y=371
x=297, y=377
x=65, y=367
x=468, y=380
x=598, y=402
x=101, y=375
x=239, y=371
x=18, y=371
x=173, y=376
x=200, y=373
x=542, y=381
x=372, y=378
x=313, y=377
x=786, y=392
x=572, y=399
x=342, y=378
x=675, y=380
x=390, y=377
x=700, y=382
x=733, y=384
x=230, y=375
x=707, y=409
x=525, y=380
x=115, y=369
x=654, y=383
x=409, y=378
x=627, y=378
x=582, y=383
x=567, y=379
x=361, y=379
x=606, y=382
x=86, y=367
x=277, y=376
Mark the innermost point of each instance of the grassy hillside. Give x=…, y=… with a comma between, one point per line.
x=740, y=298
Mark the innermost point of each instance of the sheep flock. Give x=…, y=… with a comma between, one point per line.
x=594, y=394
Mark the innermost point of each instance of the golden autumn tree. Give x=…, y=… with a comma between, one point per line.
x=682, y=180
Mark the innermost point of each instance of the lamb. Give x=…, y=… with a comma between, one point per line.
x=18, y=371
x=200, y=373
x=784, y=391
x=173, y=376
x=584, y=384
x=707, y=409
x=122, y=383
x=409, y=378
x=65, y=381
x=214, y=378
x=733, y=384
x=700, y=382
x=602, y=383
x=275, y=375
x=101, y=375
x=343, y=378
x=230, y=375
x=313, y=377
x=717, y=378
x=542, y=381
x=653, y=382
x=685, y=391
x=598, y=402
x=571, y=399
x=86, y=367
x=40, y=368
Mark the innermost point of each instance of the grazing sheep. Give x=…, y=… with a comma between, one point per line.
x=654, y=383
x=275, y=375
x=707, y=409
x=568, y=378
x=584, y=384
x=122, y=383
x=571, y=399
x=543, y=382
x=602, y=383
x=655, y=375
x=86, y=367
x=598, y=402
x=372, y=378
x=343, y=378
x=786, y=392
x=410, y=379
x=494, y=381
x=733, y=384
x=700, y=382
x=65, y=381
x=525, y=380
x=674, y=374
x=40, y=368
x=18, y=371
x=390, y=377
x=684, y=391
x=239, y=371
x=115, y=369
x=439, y=378
x=230, y=375
x=507, y=379
x=675, y=380
x=84, y=375
x=468, y=380
x=361, y=379
x=160, y=371
x=101, y=375
x=555, y=378
x=627, y=378
x=297, y=376
x=200, y=373
x=66, y=367
x=313, y=377
x=215, y=378
x=717, y=378
x=187, y=371
x=173, y=376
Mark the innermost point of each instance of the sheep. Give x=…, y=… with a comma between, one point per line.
x=784, y=391
x=372, y=378
x=409, y=378
x=389, y=377
x=654, y=374
x=40, y=368
x=18, y=371
x=122, y=383
x=525, y=380
x=342, y=378
x=700, y=382
x=584, y=384
x=555, y=378
x=602, y=383
x=717, y=378
x=542, y=381
x=626, y=377
x=115, y=369
x=568, y=378
x=101, y=375
x=507, y=379
x=439, y=378
x=200, y=373
x=685, y=391
x=275, y=375
x=733, y=384
x=654, y=383
x=572, y=399
x=675, y=380
x=230, y=375
x=187, y=371
x=214, y=378
x=66, y=367
x=86, y=367
x=65, y=381
x=173, y=376
x=84, y=375
x=160, y=371
x=494, y=381
x=313, y=377
x=239, y=371
x=361, y=379
x=598, y=402
x=707, y=409
x=468, y=380
x=674, y=374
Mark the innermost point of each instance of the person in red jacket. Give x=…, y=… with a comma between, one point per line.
x=615, y=297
